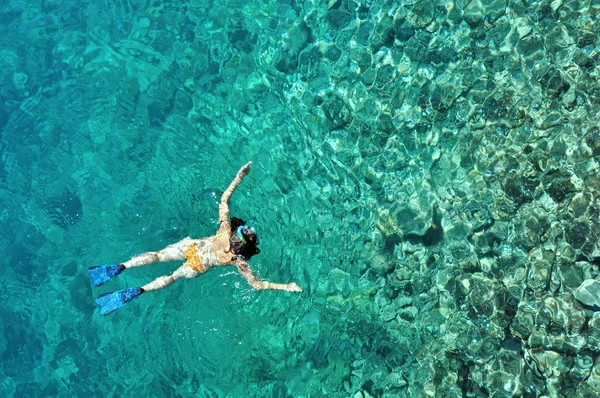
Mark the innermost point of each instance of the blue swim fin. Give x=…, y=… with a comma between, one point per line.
x=110, y=302
x=104, y=273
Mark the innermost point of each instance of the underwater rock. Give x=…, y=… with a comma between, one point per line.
x=340, y=281
x=580, y=204
x=592, y=139
x=559, y=185
x=386, y=224
x=337, y=111
x=384, y=306
x=581, y=233
x=480, y=293
x=455, y=228
x=524, y=321
x=495, y=9
x=474, y=13
x=546, y=364
x=554, y=83
x=591, y=386
x=19, y=80
x=380, y=264
x=454, y=12
x=396, y=379
x=504, y=372
x=422, y=14
x=538, y=275
x=310, y=326
x=408, y=314
x=589, y=293
x=415, y=216
x=593, y=332
x=582, y=368
x=537, y=221
x=515, y=282
x=575, y=343
x=520, y=188
x=400, y=277
x=362, y=57
x=464, y=256
x=415, y=49
x=561, y=311
x=572, y=274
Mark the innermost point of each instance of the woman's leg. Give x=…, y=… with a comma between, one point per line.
x=162, y=281
x=170, y=253
x=106, y=272
x=110, y=302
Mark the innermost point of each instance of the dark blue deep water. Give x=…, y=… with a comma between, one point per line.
x=427, y=171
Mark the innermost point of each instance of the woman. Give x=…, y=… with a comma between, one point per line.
x=235, y=243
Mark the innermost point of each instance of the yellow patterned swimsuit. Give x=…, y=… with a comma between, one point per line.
x=202, y=255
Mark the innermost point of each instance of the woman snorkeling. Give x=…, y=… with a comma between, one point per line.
x=235, y=243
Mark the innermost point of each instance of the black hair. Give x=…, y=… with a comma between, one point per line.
x=242, y=250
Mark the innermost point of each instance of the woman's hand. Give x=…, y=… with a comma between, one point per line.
x=245, y=169
x=292, y=287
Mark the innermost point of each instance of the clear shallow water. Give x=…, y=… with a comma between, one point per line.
x=427, y=172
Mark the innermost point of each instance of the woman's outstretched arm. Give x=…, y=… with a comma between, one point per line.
x=244, y=269
x=223, y=205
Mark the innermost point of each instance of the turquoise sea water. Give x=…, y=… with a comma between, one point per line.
x=427, y=171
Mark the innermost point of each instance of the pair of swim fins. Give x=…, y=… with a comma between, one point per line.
x=110, y=302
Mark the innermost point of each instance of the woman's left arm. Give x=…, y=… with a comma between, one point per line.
x=246, y=272
x=224, y=204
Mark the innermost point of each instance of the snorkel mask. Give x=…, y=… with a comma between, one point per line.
x=248, y=230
